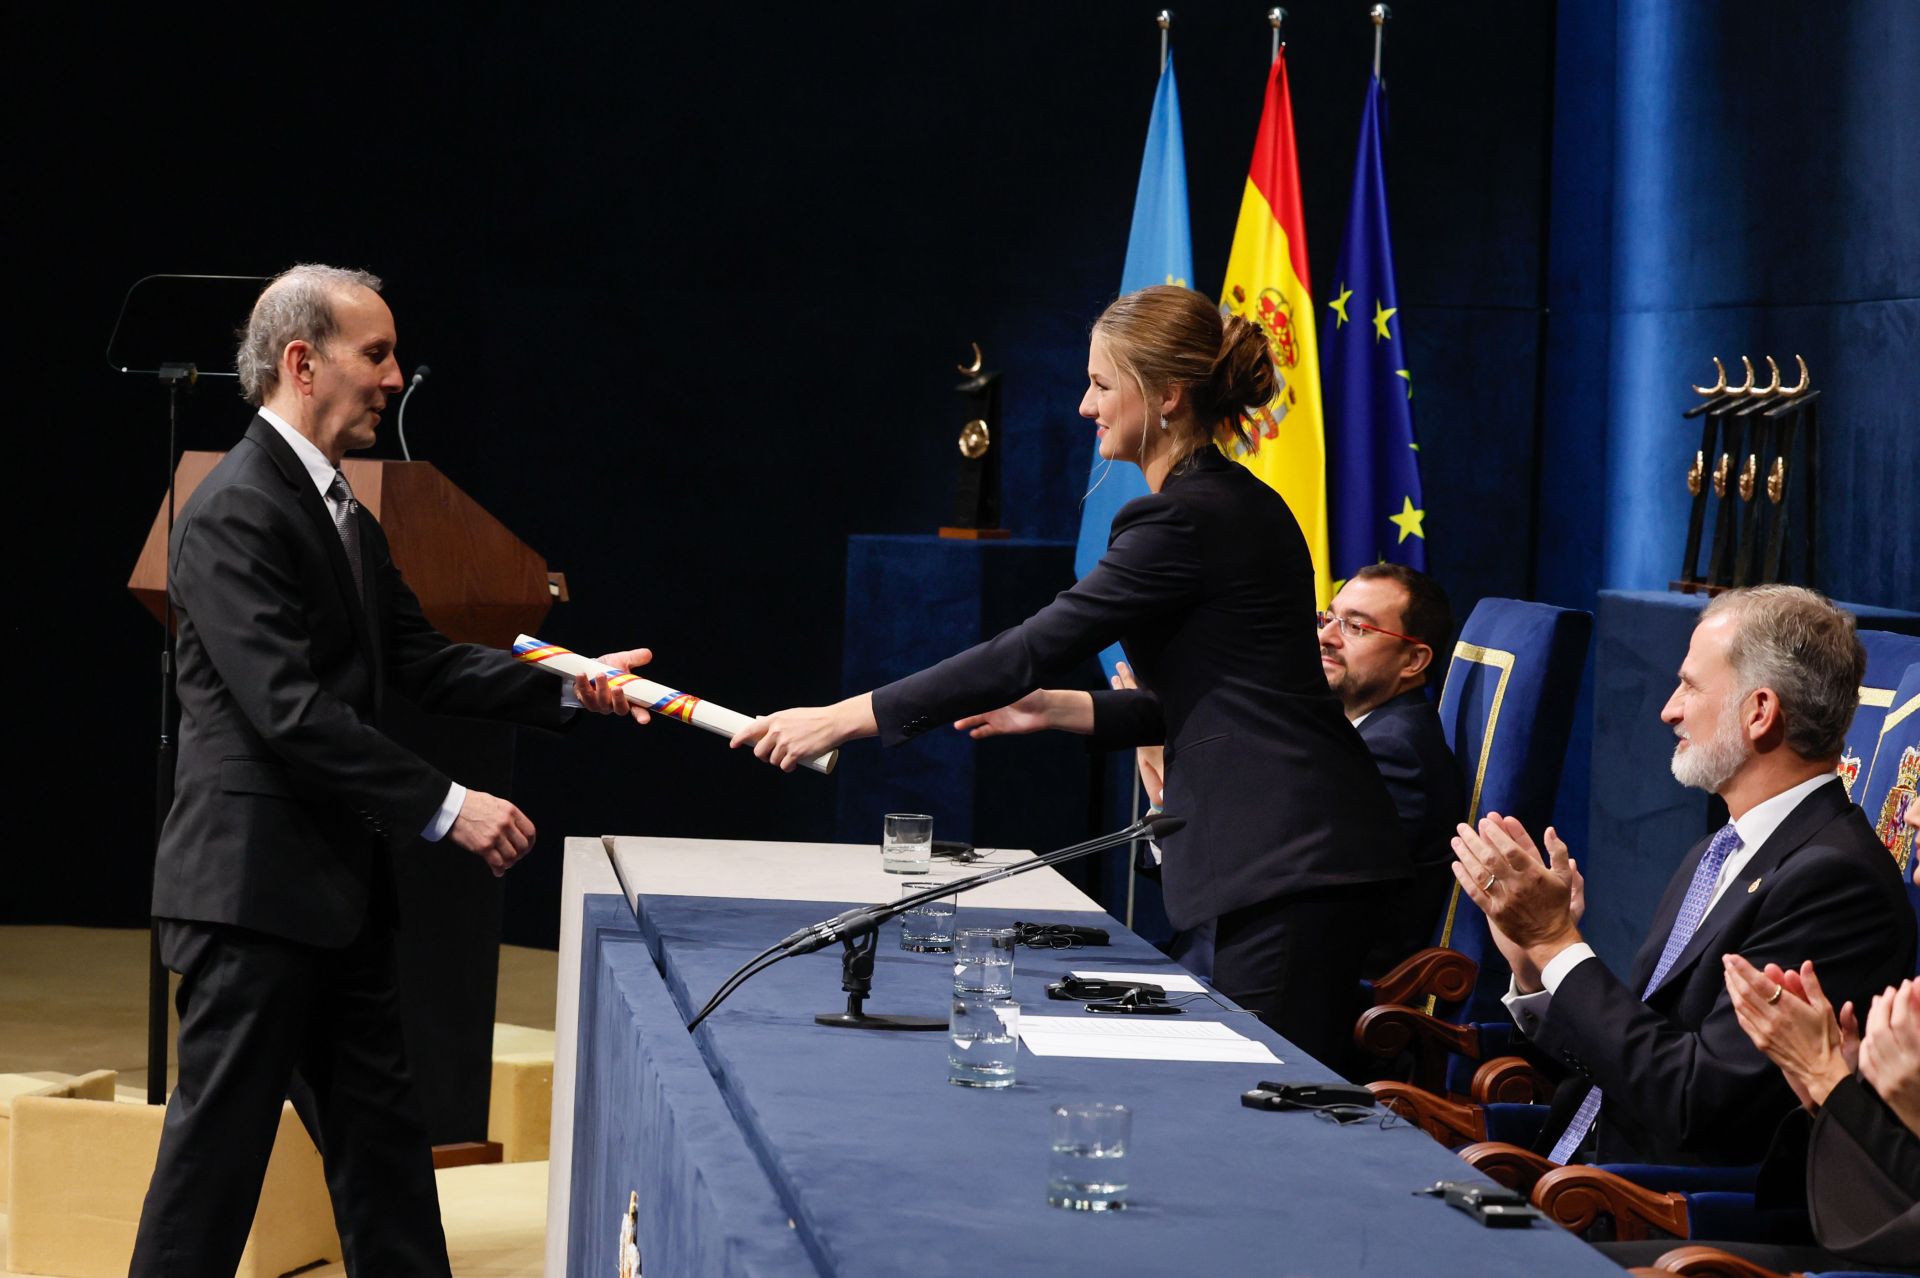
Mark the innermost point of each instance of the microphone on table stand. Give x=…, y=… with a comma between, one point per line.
x=863, y=922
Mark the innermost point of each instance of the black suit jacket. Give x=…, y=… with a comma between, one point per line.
x=1682, y=1082
x=1208, y=585
x=1409, y=747
x=287, y=794
x=1863, y=1178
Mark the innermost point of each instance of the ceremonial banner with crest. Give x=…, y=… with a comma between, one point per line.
x=1373, y=463
x=1159, y=251
x=1267, y=283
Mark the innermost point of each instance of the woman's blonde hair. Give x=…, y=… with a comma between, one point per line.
x=1171, y=336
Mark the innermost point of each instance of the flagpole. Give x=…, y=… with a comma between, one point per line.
x=1379, y=13
x=1165, y=20
x=1274, y=18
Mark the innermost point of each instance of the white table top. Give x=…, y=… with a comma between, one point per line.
x=819, y=872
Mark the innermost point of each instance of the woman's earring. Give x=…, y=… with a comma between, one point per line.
x=1163, y=423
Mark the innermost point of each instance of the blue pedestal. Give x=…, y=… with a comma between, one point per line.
x=1641, y=821
x=912, y=601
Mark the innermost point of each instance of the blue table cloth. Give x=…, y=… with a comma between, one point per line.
x=850, y=1154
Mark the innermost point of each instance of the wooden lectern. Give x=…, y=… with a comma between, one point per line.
x=477, y=583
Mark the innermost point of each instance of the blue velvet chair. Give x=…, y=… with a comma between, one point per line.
x=1890, y=656
x=1507, y=710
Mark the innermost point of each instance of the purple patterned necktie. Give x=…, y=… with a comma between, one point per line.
x=1692, y=910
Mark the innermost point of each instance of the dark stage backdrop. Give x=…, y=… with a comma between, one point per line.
x=693, y=284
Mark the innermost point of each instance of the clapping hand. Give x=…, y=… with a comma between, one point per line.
x=1890, y=1051
x=1788, y=1017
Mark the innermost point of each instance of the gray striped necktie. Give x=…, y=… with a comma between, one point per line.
x=345, y=510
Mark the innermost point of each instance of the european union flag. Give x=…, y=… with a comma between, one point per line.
x=1373, y=463
x=1159, y=251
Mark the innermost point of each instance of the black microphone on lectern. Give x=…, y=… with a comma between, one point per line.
x=420, y=375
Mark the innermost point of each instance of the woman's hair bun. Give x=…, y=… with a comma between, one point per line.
x=1243, y=376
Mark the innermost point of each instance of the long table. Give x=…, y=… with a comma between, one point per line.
x=767, y=1145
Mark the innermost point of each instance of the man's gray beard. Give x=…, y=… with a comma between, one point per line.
x=1709, y=765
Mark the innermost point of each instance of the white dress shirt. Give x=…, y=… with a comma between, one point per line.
x=1755, y=827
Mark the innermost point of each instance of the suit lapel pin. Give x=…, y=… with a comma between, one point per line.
x=1753, y=887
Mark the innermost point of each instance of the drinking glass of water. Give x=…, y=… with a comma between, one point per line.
x=983, y=961
x=927, y=928
x=1087, y=1165
x=906, y=843
x=983, y=1037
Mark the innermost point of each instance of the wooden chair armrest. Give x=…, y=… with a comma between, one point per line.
x=1449, y=1122
x=1711, y=1262
x=1506, y=1164
x=1447, y=975
x=1510, y=1080
x=1577, y=1196
x=1385, y=1032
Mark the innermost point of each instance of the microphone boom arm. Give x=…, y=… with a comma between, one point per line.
x=867, y=918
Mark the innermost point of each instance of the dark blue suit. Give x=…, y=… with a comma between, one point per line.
x=1408, y=746
x=1682, y=1082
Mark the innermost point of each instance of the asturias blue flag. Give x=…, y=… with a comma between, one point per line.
x=1373, y=463
x=1159, y=251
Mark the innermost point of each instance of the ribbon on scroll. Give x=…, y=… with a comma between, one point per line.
x=656, y=697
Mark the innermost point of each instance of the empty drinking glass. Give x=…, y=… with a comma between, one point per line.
x=983, y=1037
x=1087, y=1165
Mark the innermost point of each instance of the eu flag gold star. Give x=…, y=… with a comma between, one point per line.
x=1408, y=520
x=1408, y=377
x=1339, y=304
x=1380, y=318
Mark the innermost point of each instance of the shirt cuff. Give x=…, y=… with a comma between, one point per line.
x=567, y=700
x=1565, y=961
x=449, y=809
x=1529, y=1011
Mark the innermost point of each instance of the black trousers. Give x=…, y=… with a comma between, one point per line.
x=1295, y=961
x=254, y=1010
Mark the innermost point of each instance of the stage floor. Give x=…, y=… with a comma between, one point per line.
x=74, y=999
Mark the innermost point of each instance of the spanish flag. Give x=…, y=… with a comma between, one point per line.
x=1267, y=283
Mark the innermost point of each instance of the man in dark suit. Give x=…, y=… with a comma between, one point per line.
x=1660, y=1068
x=273, y=891
x=1379, y=642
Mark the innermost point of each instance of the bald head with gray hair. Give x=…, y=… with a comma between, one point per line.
x=296, y=306
x=1794, y=641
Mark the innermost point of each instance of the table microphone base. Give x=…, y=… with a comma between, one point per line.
x=856, y=978
x=855, y=1019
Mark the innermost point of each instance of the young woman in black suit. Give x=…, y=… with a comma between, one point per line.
x=1290, y=842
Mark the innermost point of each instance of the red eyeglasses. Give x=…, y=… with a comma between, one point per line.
x=1352, y=629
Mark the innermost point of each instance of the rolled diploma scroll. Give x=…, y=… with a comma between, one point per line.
x=656, y=697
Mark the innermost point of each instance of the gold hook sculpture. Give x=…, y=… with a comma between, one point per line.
x=1745, y=388
x=1788, y=392
x=1764, y=392
x=1719, y=386
x=971, y=369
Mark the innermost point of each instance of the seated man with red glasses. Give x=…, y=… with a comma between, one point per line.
x=1383, y=638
